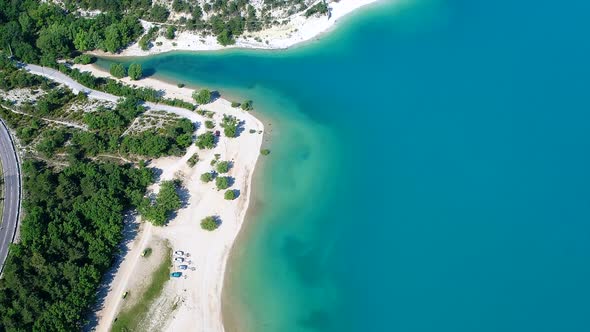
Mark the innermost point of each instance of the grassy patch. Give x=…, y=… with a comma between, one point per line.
x=130, y=319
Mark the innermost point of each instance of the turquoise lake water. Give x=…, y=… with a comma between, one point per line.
x=430, y=171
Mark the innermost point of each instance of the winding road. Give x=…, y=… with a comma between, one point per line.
x=76, y=87
x=11, y=193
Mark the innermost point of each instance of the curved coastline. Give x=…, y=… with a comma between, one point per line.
x=215, y=320
x=314, y=29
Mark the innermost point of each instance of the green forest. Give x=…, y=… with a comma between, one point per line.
x=73, y=215
x=43, y=32
x=70, y=232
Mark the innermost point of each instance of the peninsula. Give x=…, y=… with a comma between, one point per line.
x=131, y=165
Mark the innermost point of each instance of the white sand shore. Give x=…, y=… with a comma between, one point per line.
x=198, y=297
x=298, y=30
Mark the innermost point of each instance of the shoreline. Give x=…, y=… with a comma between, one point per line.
x=210, y=251
x=298, y=31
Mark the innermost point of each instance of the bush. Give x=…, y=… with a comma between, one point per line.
x=118, y=70
x=235, y=104
x=206, y=141
x=135, y=71
x=223, y=166
x=265, y=152
x=209, y=223
x=248, y=105
x=84, y=59
x=222, y=182
x=180, y=85
x=207, y=177
x=202, y=97
x=209, y=124
x=192, y=161
x=230, y=195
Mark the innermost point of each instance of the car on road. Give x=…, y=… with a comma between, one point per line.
x=179, y=259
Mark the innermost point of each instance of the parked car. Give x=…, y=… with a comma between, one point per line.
x=179, y=253
x=179, y=259
x=183, y=267
x=175, y=274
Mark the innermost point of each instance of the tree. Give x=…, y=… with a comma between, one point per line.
x=159, y=13
x=230, y=195
x=112, y=38
x=209, y=124
x=209, y=223
x=118, y=70
x=202, y=97
x=54, y=41
x=170, y=32
x=207, y=177
x=135, y=71
x=225, y=38
x=166, y=202
x=205, y=141
x=223, y=166
x=222, y=182
x=230, y=125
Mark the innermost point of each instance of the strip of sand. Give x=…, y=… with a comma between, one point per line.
x=299, y=29
x=192, y=302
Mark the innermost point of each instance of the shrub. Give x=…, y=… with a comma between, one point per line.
x=135, y=71
x=206, y=141
x=223, y=166
x=235, y=104
x=248, y=105
x=222, y=182
x=265, y=152
x=252, y=131
x=192, y=161
x=84, y=59
x=202, y=97
x=209, y=223
x=118, y=70
x=207, y=177
x=209, y=124
x=180, y=85
x=230, y=195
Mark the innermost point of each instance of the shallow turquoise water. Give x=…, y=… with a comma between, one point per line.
x=430, y=170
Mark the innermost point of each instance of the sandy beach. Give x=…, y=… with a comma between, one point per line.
x=299, y=29
x=196, y=297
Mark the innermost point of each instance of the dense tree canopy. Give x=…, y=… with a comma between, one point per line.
x=166, y=202
x=72, y=225
x=43, y=32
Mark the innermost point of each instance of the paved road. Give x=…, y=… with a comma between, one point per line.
x=76, y=87
x=12, y=193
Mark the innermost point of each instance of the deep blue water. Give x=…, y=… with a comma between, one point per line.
x=430, y=170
